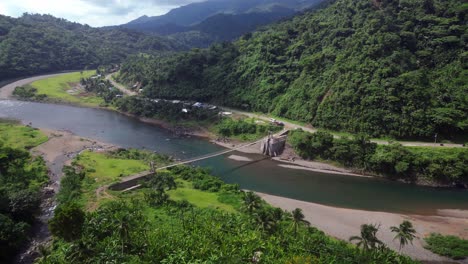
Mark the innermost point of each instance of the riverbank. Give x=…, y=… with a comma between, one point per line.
x=289, y=159
x=343, y=223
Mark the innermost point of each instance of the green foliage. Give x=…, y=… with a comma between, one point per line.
x=395, y=68
x=368, y=239
x=444, y=166
x=246, y=128
x=67, y=222
x=101, y=87
x=165, y=110
x=21, y=177
x=450, y=246
x=405, y=233
x=33, y=44
x=17, y=136
x=70, y=185
x=134, y=232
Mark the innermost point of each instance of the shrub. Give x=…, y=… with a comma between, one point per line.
x=450, y=246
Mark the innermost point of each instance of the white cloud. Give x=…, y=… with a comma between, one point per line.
x=92, y=12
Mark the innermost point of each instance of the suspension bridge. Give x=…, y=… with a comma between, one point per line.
x=134, y=181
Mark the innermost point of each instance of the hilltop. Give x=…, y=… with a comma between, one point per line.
x=384, y=68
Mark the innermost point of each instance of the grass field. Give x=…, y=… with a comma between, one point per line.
x=18, y=136
x=56, y=89
x=101, y=170
x=437, y=153
x=202, y=199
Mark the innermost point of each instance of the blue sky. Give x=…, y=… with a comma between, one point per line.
x=92, y=12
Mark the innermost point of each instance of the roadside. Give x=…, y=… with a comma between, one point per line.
x=6, y=92
x=122, y=88
x=291, y=126
x=343, y=223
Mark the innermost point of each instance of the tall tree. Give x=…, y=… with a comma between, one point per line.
x=405, y=233
x=298, y=219
x=251, y=202
x=368, y=239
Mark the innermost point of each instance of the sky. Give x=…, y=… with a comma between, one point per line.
x=95, y=13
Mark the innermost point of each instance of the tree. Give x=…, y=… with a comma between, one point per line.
x=266, y=220
x=404, y=233
x=251, y=202
x=368, y=239
x=162, y=182
x=298, y=219
x=67, y=222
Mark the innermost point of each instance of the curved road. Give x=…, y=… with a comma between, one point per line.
x=7, y=90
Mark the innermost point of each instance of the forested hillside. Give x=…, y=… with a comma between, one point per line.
x=382, y=67
x=35, y=44
x=201, y=24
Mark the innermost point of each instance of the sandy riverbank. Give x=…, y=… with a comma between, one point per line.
x=61, y=148
x=288, y=159
x=343, y=223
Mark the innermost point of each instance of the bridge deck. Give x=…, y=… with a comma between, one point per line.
x=142, y=175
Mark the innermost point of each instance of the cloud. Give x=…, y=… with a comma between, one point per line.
x=93, y=12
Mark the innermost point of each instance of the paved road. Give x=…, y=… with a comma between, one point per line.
x=7, y=90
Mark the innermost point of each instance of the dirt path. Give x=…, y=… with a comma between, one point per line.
x=343, y=223
x=119, y=86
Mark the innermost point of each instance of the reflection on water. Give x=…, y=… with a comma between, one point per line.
x=260, y=174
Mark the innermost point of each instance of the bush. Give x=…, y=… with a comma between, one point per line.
x=449, y=246
x=67, y=222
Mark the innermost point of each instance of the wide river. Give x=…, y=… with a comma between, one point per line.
x=261, y=174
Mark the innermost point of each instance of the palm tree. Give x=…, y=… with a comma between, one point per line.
x=368, y=239
x=298, y=219
x=405, y=233
x=251, y=202
x=265, y=220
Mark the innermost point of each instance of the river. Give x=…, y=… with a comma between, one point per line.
x=261, y=174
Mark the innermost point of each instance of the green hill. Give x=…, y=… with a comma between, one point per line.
x=35, y=44
x=382, y=67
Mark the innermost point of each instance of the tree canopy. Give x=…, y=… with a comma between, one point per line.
x=33, y=44
x=383, y=67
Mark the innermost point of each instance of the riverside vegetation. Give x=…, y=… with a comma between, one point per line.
x=434, y=165
x=185, y=215
x=89, y=88
x=441, y=166
x=21, y=178
x=393, y=68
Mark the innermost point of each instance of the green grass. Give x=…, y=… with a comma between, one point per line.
x=435, y=153
x=18, y=136
x=449, y=246
x=102, y=169
x=201, y=199
x=56, y=88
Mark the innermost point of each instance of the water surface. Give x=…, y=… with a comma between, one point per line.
x=261, y=174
